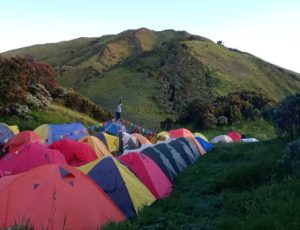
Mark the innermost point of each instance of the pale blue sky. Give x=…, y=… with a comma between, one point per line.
x=269, y=29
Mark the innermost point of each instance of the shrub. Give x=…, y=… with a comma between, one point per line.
x=222, y=120
x=286, y=118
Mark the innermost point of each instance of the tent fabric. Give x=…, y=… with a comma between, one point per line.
x=187, y=149
x=162, y=161
x=206, y=145
x=120, y=184
x=235, y=136
x=102, y=138
x=173, y=156
x=162, y=136
x=14, y=129
x=97, y=145
x=141, y=139
x=112, y=128
x=221, y=138
x=76, y=153
x=54, y=132
x=149, y=173
x=5, y=134
x=55, y=197
x=29, y=156
x=113, y=143
x=1, y=173
x=249, y=140
x=176, y=133
x=197, y=134
x=129, y=141
x=22, y=138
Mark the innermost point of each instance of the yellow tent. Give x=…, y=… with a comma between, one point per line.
x=138, y=192
x=97, y=145
x=14, y=129
x=112, y=142
x=201, y=136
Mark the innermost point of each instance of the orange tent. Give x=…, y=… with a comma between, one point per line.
x=97, y=145
x=141, y=139
x=176, y=133
x=20, y=139
x=55, y=197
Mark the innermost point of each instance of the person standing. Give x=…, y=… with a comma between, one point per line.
x=119, y=110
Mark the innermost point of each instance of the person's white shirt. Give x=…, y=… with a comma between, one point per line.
x=119, y=108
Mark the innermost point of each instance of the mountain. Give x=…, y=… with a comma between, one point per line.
x=158, y=73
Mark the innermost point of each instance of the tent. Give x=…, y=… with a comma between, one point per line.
x=162, y=136
x=5, y=133
x=120, y=184
x=97, y=145
x=162, y=161
x=29, y=156
x=111, y=142
x=112, y=128
x=249, y=140
x=55, y=197
x=54, y=132
x=221, y=138
x=205, y=144
x=235, y=136
x=1, y=173
x=176, y=133
x=141, y=139
x=128, y=141
x=22, y=138
x=76, y=153
x=187, y=149
x=201, y=136
x=149, y=173
x=172, y=155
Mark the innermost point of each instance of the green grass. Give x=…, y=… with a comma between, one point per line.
x=56, y=114
x=232, y=187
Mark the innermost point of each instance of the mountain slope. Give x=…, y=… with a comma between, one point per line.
x=158, y=73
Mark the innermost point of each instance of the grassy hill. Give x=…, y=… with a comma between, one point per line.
x=233, y=187
x=143, y=65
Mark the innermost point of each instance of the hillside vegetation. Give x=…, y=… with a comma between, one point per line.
x=158, y=73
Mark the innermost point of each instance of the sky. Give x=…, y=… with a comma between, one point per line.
x=269, y=29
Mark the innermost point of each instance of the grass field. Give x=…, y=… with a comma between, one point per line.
x=232, y=187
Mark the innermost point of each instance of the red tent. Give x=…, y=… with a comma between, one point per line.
x=148, y=172
x=55, y=197
x=1, y=173
x=76, y=153
x=29, y=156
x=176, y=133
x=20, y=139
x=235, y=136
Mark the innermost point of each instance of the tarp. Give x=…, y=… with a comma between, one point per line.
x=29, y=156
x=120, y=184
x=55, y=197
x=97, y=145
x=5, y=134
x=149, y=173
x=54, y=132
x=162, y=161
x=76, y=153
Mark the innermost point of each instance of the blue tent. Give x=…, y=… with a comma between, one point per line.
x=5, y=133
x=206, y=145
x=112, y=128
x=54, y=132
